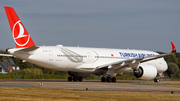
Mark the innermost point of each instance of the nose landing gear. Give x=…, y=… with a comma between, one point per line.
x=157, y=78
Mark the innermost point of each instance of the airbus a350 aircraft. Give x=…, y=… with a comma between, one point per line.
x=80, y=62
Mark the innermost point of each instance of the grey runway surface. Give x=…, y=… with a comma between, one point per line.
x=92, y=85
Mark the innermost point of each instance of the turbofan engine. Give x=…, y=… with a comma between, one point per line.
x=145, y=72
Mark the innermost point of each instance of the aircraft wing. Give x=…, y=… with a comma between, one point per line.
x=133, y=63
x=121, y=64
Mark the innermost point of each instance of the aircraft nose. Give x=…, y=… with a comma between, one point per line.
x=164, y=66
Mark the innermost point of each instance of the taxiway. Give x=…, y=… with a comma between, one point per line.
x=93, y=85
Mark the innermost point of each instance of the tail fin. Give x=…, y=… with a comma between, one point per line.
x=21, y=37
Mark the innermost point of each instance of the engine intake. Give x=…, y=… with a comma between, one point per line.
x=145, y=72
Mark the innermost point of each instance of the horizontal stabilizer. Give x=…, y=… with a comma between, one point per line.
x=6, y=55
x=29, y=49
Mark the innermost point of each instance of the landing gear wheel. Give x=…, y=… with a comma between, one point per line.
x=69, y=78
x=113, y=79
x=75, y=78
x=108, y=79
x=156, y=80
x=103, y=79
x=80, y=79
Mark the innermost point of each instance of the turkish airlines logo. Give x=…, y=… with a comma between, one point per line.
x=20, y=35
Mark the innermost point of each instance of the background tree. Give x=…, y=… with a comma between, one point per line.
x=172, y=70
x=172, y=59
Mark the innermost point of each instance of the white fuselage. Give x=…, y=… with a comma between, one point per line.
x=80, y=59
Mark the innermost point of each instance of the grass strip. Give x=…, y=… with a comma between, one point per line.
x=39, y=94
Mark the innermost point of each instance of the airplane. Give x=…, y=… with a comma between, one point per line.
x=81, y=62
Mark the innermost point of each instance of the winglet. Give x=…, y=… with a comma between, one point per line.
x=173, y=48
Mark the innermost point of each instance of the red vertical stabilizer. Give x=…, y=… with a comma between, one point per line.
x=21, y=37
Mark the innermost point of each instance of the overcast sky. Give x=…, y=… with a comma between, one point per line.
x=133, y=24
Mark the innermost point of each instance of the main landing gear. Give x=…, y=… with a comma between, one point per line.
x=75, y=78
x=108, y=79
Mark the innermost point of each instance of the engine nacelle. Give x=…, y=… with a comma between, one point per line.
x=146, y=72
